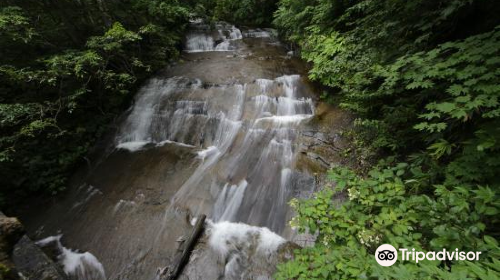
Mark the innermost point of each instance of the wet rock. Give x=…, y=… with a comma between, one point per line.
x=317, y=158
x=33, y=264
x=11, y=230
x=249, y=132
x=237, y=251
x=20, y=256
x=322, y=145
x=207, y=264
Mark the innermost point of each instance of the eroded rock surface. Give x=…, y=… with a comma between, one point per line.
x=232, y=131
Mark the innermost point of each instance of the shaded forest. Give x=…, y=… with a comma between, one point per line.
x=422, y=78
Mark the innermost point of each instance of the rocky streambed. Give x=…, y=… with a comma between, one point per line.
x=233, y=131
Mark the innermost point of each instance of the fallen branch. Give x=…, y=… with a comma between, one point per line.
x=182, y=258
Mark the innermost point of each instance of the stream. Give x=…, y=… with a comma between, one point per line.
x=234, y=130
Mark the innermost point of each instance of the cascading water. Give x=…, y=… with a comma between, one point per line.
x=76, y=265
x=258, y=33
x=218, y=135
x=246, y=138
x=199, y=40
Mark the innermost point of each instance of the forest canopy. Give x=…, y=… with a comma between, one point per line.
x=67, y=68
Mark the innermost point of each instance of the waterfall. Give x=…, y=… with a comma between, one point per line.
x=198, y=40
x=258, y=33
x=220, y=134
x=78, y=266
x=245, y=134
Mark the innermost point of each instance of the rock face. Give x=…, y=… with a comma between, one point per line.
x=33, y=263
x=11, y=230
x=232, y=131
x=20, y=256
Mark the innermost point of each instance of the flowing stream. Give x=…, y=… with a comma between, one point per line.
x=220, y=133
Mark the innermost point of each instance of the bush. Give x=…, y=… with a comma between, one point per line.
x=424, y=84
x=69, y=68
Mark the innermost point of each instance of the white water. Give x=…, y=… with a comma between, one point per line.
x=90, y=192
x=245, y=138
x=132, y=146
x=199, y=42
x=123, y=205
x=258, y=33
x=238, y=246
x=229, y=201
x=226, y=237
x=197, y=144
x=222, y=40
x=81, y=266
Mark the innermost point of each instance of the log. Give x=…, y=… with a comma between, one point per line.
x=181, y=259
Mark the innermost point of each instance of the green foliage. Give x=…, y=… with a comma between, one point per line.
x=14, y=25
x=395, y=205
x=67, y=69
x=422, y=78
x=114, y=40
x=244, y=12
x=374, y=55
x=253, y=12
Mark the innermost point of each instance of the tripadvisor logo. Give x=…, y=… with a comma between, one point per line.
x=387, y=255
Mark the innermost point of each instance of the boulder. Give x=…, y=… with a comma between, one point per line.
x=11, y=230
x=33, y=263
x=19, y=255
